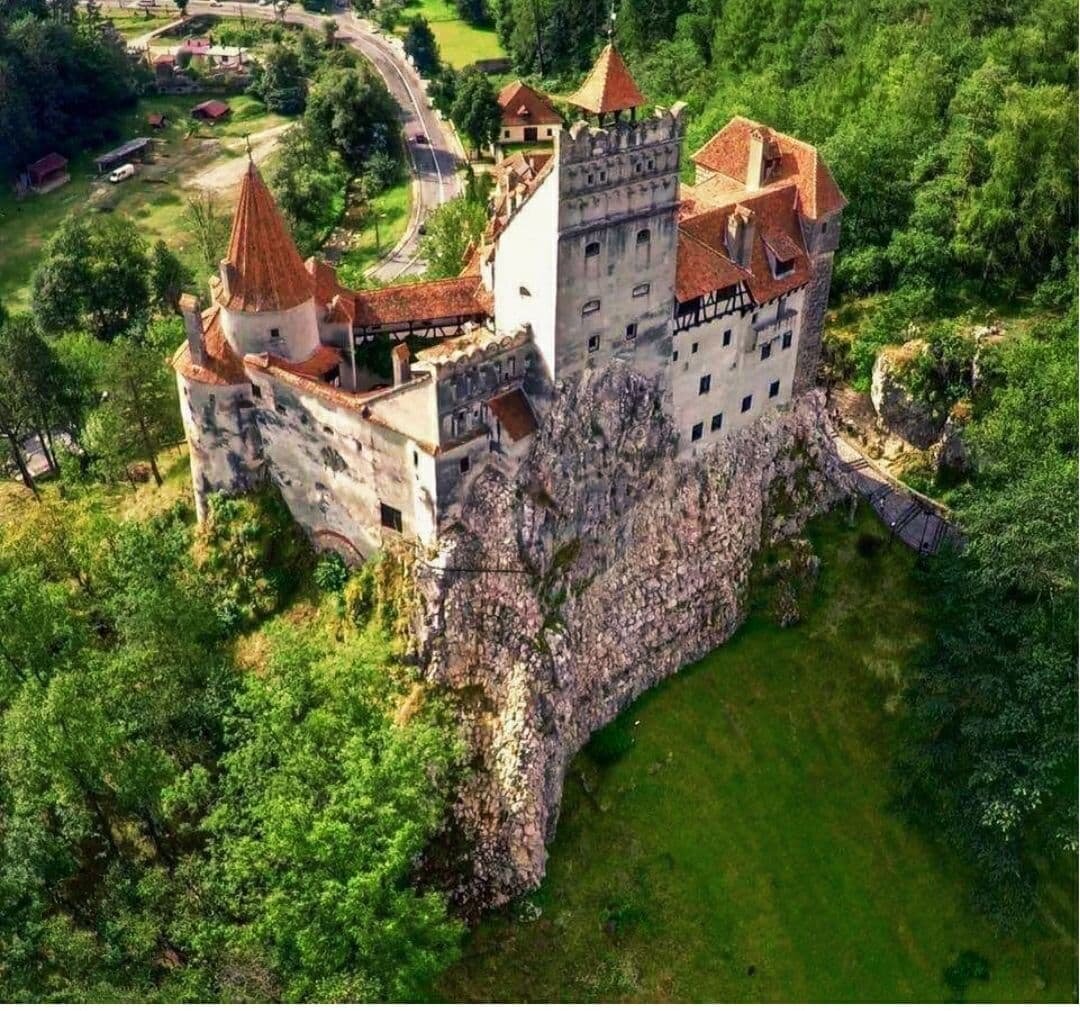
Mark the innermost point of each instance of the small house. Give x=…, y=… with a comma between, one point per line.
x=157, y=120
x=139, y=148
x=48, y=173
x=527, y=115
x=212, y=110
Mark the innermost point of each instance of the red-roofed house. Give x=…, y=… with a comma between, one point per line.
x=48, y=173
x=212, y=110
x=528, y=117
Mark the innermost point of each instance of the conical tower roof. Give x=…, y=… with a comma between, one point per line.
x=262, y=271
x=609, y=86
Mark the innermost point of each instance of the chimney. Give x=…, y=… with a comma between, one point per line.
x=740, y=236
x=399, y=360
x=755, y=162
x=189, y=306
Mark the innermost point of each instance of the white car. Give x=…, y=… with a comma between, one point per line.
x=122, y=173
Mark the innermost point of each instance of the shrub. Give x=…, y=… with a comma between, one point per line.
x=331, y=572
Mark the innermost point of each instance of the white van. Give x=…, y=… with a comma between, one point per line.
x=122, y=173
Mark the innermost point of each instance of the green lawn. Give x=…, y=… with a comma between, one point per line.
x=131, y=24
x=744, y=848
x=459, y=42
x=393, y=210
x=154, y=198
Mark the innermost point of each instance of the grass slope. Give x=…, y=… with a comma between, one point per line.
x=744, y=848
x=459, y=42
x=392, y=208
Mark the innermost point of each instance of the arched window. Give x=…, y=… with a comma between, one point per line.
x=592, y=249
x=593, y=305
x=643, y=236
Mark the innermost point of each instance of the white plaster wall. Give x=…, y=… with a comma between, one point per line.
x=516, y=134
x=525, y=257
x=249, y=332
x=225, y=449
x=736, y=371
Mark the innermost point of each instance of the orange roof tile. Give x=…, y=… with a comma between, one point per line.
x=321, y=361
x=424, y=300
x=514, y=414
x=524, y=106
x=728, y=150
x=609, y=86
x=222, y=365
x=700, y=269
x=265, y=272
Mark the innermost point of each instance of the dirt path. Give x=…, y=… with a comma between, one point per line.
x=226, y=176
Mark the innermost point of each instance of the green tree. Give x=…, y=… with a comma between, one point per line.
x=451, y=229
x=421, y=47
x=208, y=225
x=281, y=82
x=476, y=111
x=168, y=277
x=93, y=274
x=351, y=111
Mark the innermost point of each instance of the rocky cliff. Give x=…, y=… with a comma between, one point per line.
x=603, y=566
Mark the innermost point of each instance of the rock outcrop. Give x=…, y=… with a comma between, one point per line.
x=897, y=409
x=603, y=566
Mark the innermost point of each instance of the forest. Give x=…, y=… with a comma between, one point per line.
x=219, y=776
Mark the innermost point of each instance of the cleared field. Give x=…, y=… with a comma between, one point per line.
x=459, y=42
x=183, y=151
x=744, y=848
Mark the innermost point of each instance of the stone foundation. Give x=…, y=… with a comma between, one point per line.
x=604, y=566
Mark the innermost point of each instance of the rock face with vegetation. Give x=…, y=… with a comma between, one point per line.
x=897, y=407
x=602, y=567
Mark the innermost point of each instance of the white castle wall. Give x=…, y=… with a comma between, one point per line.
x=251, y=333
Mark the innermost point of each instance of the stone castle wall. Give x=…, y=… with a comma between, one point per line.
x=604, y=566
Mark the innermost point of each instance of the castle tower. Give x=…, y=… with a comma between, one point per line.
x=266, y=294
x=618, y=198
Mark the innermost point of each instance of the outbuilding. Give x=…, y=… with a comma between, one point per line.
x=212, y=110
x=528, y=116
x=139, y=148
x=48, y=173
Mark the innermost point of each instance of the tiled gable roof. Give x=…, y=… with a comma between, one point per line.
x=265, y=272
x=727, y=153
x=609, y=86
x=424, y=300
x=524, y=106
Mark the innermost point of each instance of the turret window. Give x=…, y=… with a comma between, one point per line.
x=275, y=332
x=766, y=351
x=785, y=341
x=593, y=305
x=640, y=290
x=594, y=342
x=727, y=338
x=643, y=236
x=592, y=249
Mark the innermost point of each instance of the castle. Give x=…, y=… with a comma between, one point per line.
x=372, y=411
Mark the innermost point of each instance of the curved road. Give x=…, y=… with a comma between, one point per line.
x=433, y=161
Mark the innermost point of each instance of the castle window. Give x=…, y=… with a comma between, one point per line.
x=697, y=431
x=593, y=305
x=256, y=392
x=649, y=164
x=281, y=409
x=753, y=319
x=592, y=249
x=675, y=355
x=784, y=267
x=640, y=290
x=463, y=465
x=716, y=423
x=693, y=348
x=747, y=403
x=727, y=338
x=704, y=385
x=774, y=388
x=327, y=430
x=785, y=341
x=524, y=292
x=603, y=177
x=766, y=351
x=631, y=331
x=415, y=458
x=511, y=365
x=390, y=517
x=275, y=332
x=594, y=342
x=824, y=227
x=589, y=179
x=643, y=236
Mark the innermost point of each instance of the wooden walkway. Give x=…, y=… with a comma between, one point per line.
x=920, y=522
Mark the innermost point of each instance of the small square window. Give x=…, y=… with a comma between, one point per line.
x=506, y=134
x=704, y=385
x=256, y=392
x=631, y=331
x=640, y=290
x=275, y=332
x=592, y=249
x=675, y=355
x=746, y=403
x=390, y=517
x=774, y=388
x=766, y=351
x=603, y=177
x=716, y=423
x=727, y=338
x=281, y=409
x=693, y=348
x=824, y=227
x=463, y=465
x=697, y=431
x=785, y=341
x=589, y=179
x=594, y=342
x=753, y=319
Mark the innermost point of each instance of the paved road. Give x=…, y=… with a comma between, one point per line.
x=433, y=162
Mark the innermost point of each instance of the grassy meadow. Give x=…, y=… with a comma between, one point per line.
x=459, y=42
x=744, y=848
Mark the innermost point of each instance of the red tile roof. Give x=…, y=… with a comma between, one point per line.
x=524, y=106
x=424, y=300
x=514, y=414
x=775, y=222
x=265, y=272
x=609, y=86
x=727, y=152
x=211, y=109
x=222, y=366
x=322, y=360
x=52, y=162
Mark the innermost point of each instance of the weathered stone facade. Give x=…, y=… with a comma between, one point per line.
x=604, y=566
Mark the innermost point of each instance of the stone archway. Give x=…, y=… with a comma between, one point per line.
x=331, y=540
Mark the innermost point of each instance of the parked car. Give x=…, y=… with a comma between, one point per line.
x=122, y=173
x=422, y=230
x=420, y=138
